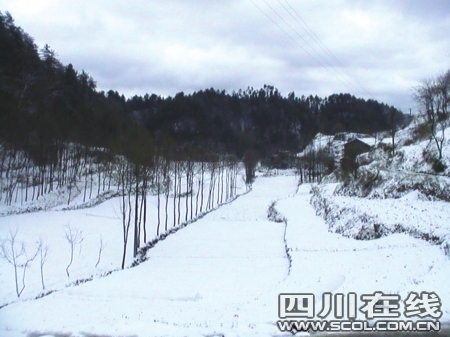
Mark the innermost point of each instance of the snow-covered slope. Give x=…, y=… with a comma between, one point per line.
x=221, y=275
x=328, y=262
x=392, y=191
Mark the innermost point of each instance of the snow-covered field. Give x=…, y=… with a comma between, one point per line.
x=396, y=264
x=364, y=218
x=98, y=221
x=218, y=276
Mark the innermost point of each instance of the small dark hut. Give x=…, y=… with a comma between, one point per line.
x=352, y=149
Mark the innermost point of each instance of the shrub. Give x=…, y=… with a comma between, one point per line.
x=438, y=166
x=428, y=156
x=273, y=214
x=445, y=246
x=422, y=131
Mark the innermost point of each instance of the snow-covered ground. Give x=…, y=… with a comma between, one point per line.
x=364, y=218
x=99, y=223
x=218, y=276
x=328, y=262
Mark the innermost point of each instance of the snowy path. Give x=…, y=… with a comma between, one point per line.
x=199, y=279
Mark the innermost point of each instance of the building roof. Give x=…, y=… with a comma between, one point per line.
x=359, y=141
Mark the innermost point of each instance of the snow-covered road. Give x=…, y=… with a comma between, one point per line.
x=222, y=275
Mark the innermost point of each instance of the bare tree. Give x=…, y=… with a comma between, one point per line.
x=137, y=172
x=189, y=173
x=126, y=208
x=202, y=184
x=175, y=191
x=43, y=251
x=16, y=255
x=166, y=182
x=212, y=182
x=74, y=237
x=433, y=97
x=181, y=167
x=393, y=128
x=442, y=91
x=102, y=246
x=158, y=192
x=250, y=161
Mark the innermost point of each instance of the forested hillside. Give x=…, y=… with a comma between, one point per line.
x=45, y=104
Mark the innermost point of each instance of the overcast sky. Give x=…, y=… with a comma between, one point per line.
x=379, y=49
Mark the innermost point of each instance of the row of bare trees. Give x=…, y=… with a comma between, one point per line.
x=314, y=163
x=186, y=184
x=184, y=190
x=21, y=257
x=202, y=185
x=16, y=254
x=24, y=178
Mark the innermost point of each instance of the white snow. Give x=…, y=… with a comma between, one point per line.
x=396, y=264
x=413, y=211
x=218, y=276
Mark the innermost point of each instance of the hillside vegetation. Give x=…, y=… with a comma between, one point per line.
x=46, y=104
x=399, y=187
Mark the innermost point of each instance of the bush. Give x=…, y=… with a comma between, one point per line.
x=445, y=246
x=273, y=214
x=422, y=131
x=438, y=166
x=428, y=156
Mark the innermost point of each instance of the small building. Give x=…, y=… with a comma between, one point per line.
x=350, y=151
x=355, y=147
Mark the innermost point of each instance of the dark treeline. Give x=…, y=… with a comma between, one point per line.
x=260, y=120
x=42, y=101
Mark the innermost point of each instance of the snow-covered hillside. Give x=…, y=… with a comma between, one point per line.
x=393, y=192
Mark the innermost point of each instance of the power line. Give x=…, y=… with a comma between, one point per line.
x=316, y=39
x=294, y=40
x=285, y=32
x=310, y=32
x=343, y=79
